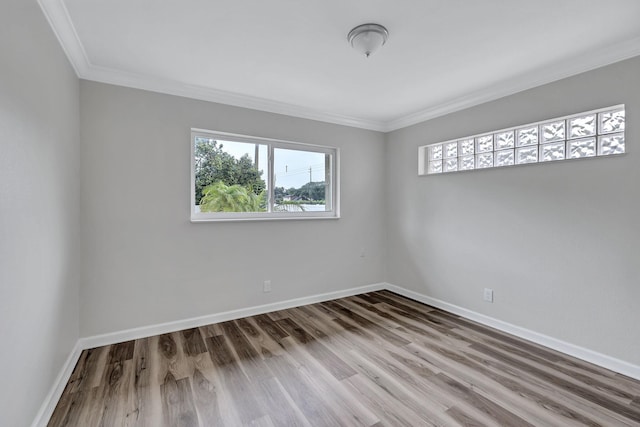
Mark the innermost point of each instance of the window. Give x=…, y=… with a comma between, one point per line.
x=590, y=134
x=236, y=177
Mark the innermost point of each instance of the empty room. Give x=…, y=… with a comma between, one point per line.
x=319, y=213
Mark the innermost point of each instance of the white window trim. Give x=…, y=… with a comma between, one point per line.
x=271, y=144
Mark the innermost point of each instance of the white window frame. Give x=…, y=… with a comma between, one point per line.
x=271, y=144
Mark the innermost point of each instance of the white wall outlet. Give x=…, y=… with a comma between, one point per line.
x=267, y=286
x=363, y=252
x=488, y=295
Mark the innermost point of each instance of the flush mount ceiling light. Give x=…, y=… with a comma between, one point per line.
x=367, y=38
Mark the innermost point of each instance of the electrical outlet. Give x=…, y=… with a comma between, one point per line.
x=488, y=295
x=267, y=286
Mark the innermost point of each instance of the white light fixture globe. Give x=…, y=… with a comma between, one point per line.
x=368, y=38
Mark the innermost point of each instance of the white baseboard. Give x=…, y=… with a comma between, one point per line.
x=178, y=325
x=46, y=410
x=608, y=362
x=50, y=402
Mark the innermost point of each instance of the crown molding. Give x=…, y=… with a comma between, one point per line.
x=58, y=17
x=170, y=87
x=558, y=71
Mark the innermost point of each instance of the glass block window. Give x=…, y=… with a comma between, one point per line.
x=466, y=147
x=528, y=136
x=451, y=150
x=451, y=165
x=484, y=160
x=504, y=158
x=504, y=140
x=589, y=134
x=466, y=163
x=553, y=131
x=581, y=148
x=484, y=143
x=553, y=151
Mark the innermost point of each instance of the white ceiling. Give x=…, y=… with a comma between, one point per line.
x=292, y=56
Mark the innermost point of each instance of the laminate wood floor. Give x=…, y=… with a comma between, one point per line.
x=375, y=359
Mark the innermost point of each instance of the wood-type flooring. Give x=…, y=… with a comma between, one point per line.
x=375, y=359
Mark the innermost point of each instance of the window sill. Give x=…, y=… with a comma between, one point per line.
x=263, y=218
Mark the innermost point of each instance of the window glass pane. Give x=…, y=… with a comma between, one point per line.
x=466, y=163
x=504, y=158
x=465, y=147
x=504, y=140
x=611, y=144
x=301, y=181
x=451, y=165
x=553, y=151
x=612, y=121
x=579, y=148
x=451, y=149
x=528, y=136
x=484, y=160
x=484, y=144
x=526, y=155
x=435, y=152
x=553, y=131
x=582, y=126
x=435, y=167
x=229, y=176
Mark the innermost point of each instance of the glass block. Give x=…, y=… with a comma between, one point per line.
x=504, y=158
x=465, y=147
x=580, y=148
x=552, y=151
x=450, y=150
x=553, y=131
x=484, y=144
x=611, y=121
x=504, y=140
x=527, y=136
x=526, y=155
x=435, y=167
x=451, y=165
x=484, y=160
x=435, y=152
x=611, y=144
x=582, y=126
x=466, y=163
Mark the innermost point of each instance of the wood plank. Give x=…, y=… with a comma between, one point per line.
x=146, y=398
x=501, y=415
x=464, y=419
x=193, y=344
x=89, y=369
x=336, y=366
x=368, y=360
x=365, y=324
x=234, y=379
x=579, y=391
x=121, y=352
x=314, y=408
x=178, y=408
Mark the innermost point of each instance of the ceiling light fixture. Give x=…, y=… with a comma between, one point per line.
x=367, y=38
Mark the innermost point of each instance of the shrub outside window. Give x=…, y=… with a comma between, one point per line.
x=237, y=177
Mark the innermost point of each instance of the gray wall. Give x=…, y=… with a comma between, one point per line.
x=39, y=209
x=557, y=242
x=145, y=263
